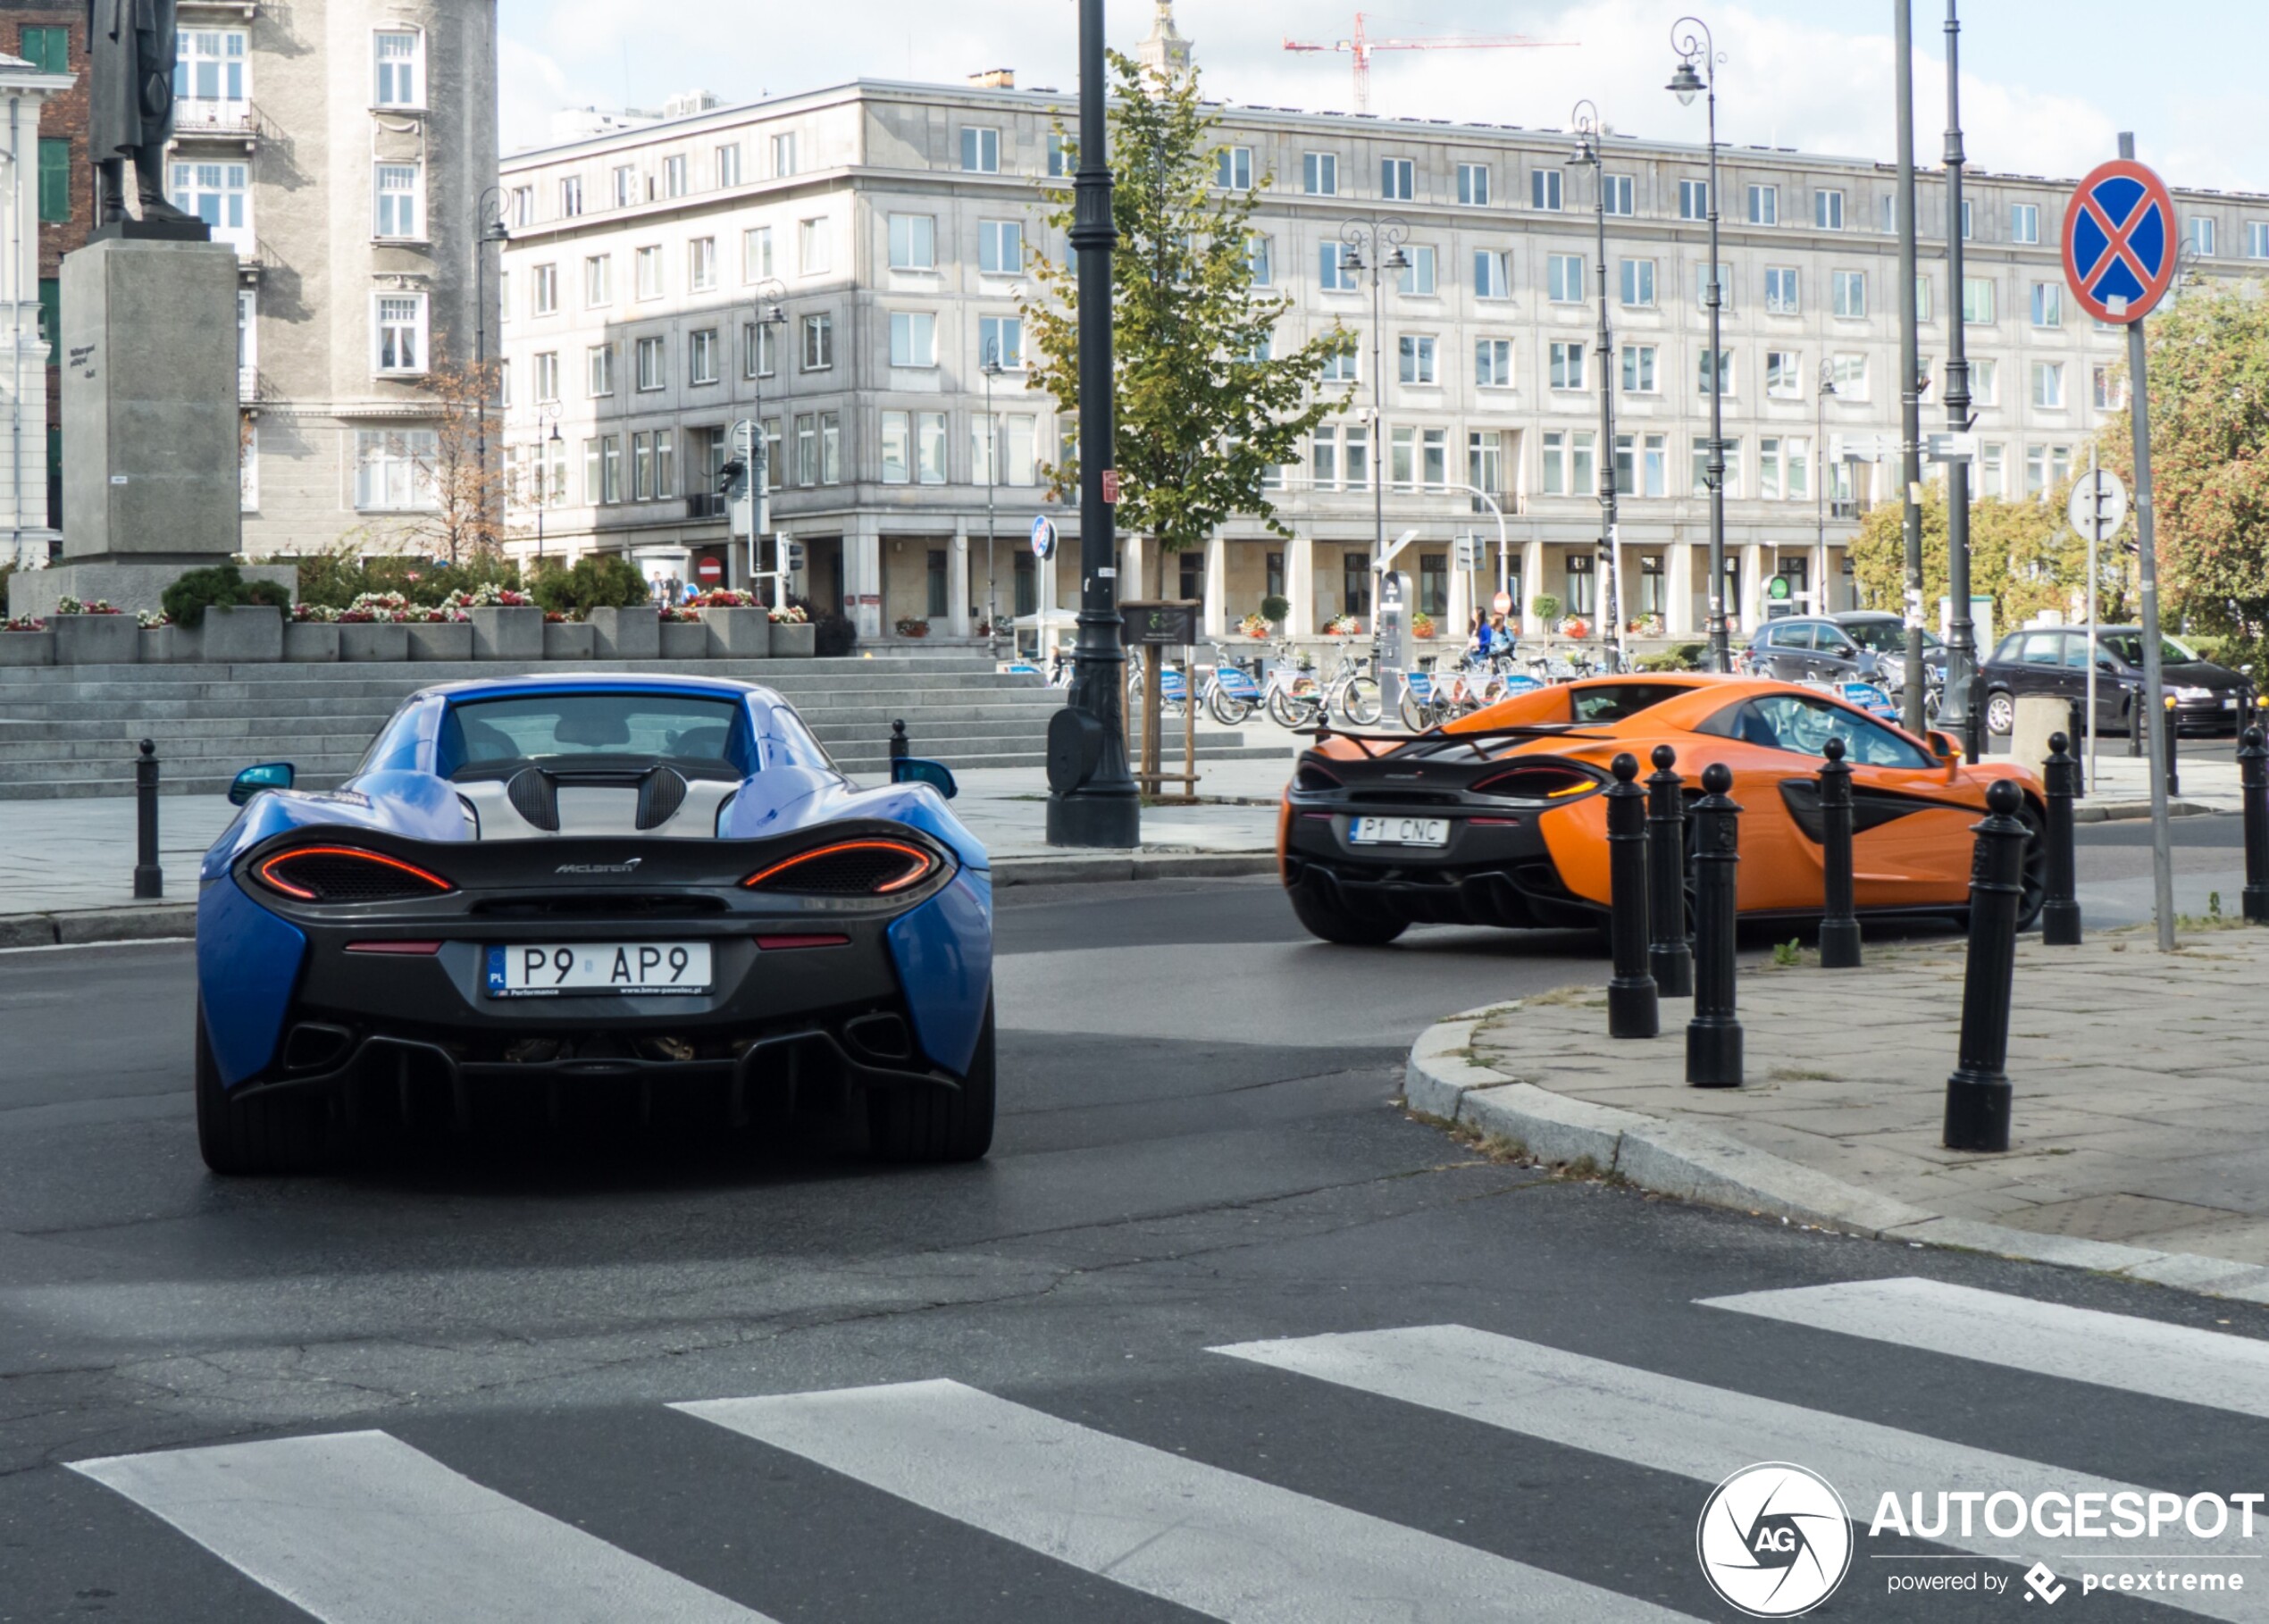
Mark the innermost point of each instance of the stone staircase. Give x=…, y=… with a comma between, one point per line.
x=69, y=731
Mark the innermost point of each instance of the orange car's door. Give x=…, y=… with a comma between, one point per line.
x=1909, y=847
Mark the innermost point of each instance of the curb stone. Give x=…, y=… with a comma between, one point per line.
x=83, y=927
x=1441, y=1079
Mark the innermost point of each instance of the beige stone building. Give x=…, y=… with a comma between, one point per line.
x=888, y=224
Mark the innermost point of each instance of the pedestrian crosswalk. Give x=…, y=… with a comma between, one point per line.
x=360, y=1528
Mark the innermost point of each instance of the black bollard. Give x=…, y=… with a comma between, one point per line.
x=2173, y=750
x=1668, y=954
x=1632, y=1011
x=1838, y=925
x=2060, y=914
x=900, y=749
x=2252, y=783
x=1713, y=1036
x=149, y=879
x=1977, y=1096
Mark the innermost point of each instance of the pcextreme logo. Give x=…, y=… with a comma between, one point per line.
x=1774, y=1540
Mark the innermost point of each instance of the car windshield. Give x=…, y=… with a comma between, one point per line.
x=2127, y=648
x=1884, y=636
x=496, y=738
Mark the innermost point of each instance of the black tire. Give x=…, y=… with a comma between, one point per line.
x=1228, y=709
x=924, y=1123
x=277, y=1132
x=2003, y=704
x=1361, y=702
x=1329, y=921
x=2036, y=869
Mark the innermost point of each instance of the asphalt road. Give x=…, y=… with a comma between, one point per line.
x=441, y=1387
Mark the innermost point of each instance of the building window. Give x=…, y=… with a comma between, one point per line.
x=1355, y=583
x=1969, y=218
x=1564, y=279
x=625, y=179
x=1493, y=364
x=1780, y=290
x=653, y=364
x=1001, y=246
x=1732, y=487
x=1544, y=189
x=544, y=283
x=54, y=170
x=548, y=377
x=401, y=68
x=208, y=68
x=807, y=450
x=1890, y=214
x=523, y=205
x=819, y=342
x=913, y=242
x=2045, y=468
x=1850, y=374
x=1977, y=301
x=1638, y=284
x=2047, y=305
x=1621, y=195
x=755, y=253
x=398, y=187
x=1694, y=200
x=399, y=333
x=394, y=470
x=701, y=355
x=1567, y=365
x=1319, y=174
x=1417, y=353
x=831, y=447
x=1642, y=467
x=1784, y=375
x=598, y=370
x=1765, y=205
x=1851, y=294
x=784, y=155
x=981, y=151
x=1993, y=474
x=1396, y=180
x=1355, y=456
x=1569, y=469
x=898, y=447
x=701, y=264
x=47, y=49
x=1057, y=168
x=728, y=165
x=2108, y=395
x=2257, y=239
x=2048, y=384
x=1784, y=468
x=571, y=197
x=913, y=338
x=599, y=281
x=1232, y=168
x=2202, y=234
x=1985, y=384
x=929, y=447
x=1333, y=275
x=1473, y=185
x=1921, y=299
x=1416, y=276
x=1702, y=286
x=1583, y=583
x=2024, y=223
x=673, y=176
x=1484, y=461
x=1490, y=280
x=610, y=468
x=218, y=193
x=1324, y=459
x=1724, y=369
x=759, y=349
x=1001, y=340
x=647, y=262
x=1260, y=260
x=1638, y=368
x=1828, y=210
x=813, y=257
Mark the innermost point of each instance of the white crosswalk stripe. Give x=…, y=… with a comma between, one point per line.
x=359, y=1527
x=2169, y=1361
x=1225, y=1546
x=1705, y=1432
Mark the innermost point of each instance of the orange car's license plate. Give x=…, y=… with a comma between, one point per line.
x=1401, y=831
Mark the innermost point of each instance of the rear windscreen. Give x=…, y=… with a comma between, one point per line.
x=489, y=738
x=1614, y=701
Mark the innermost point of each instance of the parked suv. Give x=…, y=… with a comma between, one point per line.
x=1884, y=636
x=2053, y=660
x=1809, y=648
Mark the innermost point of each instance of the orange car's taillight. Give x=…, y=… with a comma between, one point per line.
x=849, y=868
x=1545, y=781
x=347, y=874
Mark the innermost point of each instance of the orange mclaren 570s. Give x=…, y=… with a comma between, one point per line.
x=1498, y=818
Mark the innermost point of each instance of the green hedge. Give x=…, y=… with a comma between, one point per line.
x=598, y=580
x=217, y=586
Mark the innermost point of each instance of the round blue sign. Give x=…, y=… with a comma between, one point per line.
x=1044, y=537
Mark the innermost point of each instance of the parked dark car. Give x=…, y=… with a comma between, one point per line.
x=2053, y=660
x=1809, y=648
x=1884, y=635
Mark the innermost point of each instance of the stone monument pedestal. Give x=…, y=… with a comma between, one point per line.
x=152, y=430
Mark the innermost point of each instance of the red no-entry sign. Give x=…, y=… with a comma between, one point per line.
x=2121, y=241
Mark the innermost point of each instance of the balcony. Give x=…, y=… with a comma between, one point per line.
x=1846, y=510
x=197, y=116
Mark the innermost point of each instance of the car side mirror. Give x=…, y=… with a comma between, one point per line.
x=1942, y=747
x=912, y=769
x=268, y=775
x=2104, y=662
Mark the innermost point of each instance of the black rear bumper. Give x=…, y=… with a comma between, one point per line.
x=1497, y=872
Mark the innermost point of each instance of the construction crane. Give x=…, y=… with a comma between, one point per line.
x=1362, y=46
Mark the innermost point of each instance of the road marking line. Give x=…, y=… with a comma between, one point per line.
x=2123, y=1351
x=1228, y=1546
x=358, y=1528
x=1707, y=1432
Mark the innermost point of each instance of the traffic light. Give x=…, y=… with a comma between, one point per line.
x=795, y=558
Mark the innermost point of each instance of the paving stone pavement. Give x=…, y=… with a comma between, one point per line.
x=2142, y=1083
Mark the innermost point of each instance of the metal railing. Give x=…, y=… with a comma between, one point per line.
x=704, y=504
x=198, y=115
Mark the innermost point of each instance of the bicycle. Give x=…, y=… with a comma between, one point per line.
x=1230, y=693
x=1354, y=691
x=1292, y=696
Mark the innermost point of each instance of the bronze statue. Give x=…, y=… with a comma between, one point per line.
x=130, y=46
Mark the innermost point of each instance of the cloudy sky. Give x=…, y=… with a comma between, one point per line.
x=2046, y=84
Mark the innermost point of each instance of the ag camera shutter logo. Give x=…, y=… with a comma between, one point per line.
x=1774, y=1540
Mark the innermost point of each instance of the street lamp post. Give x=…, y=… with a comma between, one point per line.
x=1821, y=597
x=1910, y=367
x=1960, y=707
x=1584, y=121
x=1091, y=798
x=1383, y=239
x=547, y=412
x=767, y=313
x=1690, y=38
x=991, y=367
x=487, y=227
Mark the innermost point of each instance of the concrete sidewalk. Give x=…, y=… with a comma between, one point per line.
x=67, y=867
x=2140, y=1140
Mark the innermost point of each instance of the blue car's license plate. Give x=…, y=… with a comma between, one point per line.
x=641, y=968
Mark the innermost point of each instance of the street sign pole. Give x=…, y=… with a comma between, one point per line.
x=2095, y=539
x=1910, y=366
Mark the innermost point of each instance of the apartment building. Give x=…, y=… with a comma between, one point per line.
x=888, y=224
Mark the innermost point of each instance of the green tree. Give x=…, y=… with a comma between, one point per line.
x=2209, y=368
x=2023, y=555
x=1206, y=408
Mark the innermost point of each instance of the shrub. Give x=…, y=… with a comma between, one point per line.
x=218, y=586
x=833, y=636
x=1276, y=610
x=598, y=580
x=1546, y=607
